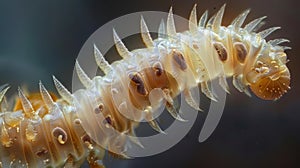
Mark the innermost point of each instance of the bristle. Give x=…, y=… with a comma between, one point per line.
x=265, y=33
x=85, y=80
x=27, y=106
x=238, y=84
x=133, y=138
x=286, y=47
x=223, y=83
x=250, y=27
x=3, y=92
x=151, y=121
x=145, y=34
x=278, y=41
x=239, y=20
x=120, y=46
x=63, y=92
x=170, y=105
x=203, y=19
x=173, y=112
x=4, y=104
x=101, y=62
x=171, y=30
x=46, y=96
x=210, y=22
x=190, y=100
x=218, y=19
x=155, y=126
x=162, y=29
x=208, y=93
x=193, y=20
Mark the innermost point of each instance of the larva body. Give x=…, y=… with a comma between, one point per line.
x=43, y=131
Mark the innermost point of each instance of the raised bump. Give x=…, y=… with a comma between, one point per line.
x=6, y=140
x=30, y=133
x=60, y=135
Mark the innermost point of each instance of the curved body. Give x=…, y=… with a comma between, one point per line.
x=42, y=131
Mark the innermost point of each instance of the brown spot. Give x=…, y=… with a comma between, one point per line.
x=221, y=50
x=60, y=135
x=86, y=138
x=157, y=67
x=99, y=109
x=108, y=120
x=137, y=80
x=179, y=59
x=241, y=51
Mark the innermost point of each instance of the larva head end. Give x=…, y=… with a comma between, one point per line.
x=272, y=87
x=270, y=78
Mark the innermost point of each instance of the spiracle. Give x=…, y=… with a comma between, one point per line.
x=46, y=131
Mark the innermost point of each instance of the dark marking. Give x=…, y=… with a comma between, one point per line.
x=107, y=120
x=195, y=46
x=179, y=59
x=86, y=138
x=157, y=67
x=57, y=131
x=221, y=50
x=241, y=51
x=41, y=152
x=99, y=109
x=137, y=80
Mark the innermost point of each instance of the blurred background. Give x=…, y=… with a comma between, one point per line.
x=39, y=39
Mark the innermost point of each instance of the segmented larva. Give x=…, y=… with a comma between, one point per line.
x=44, y=131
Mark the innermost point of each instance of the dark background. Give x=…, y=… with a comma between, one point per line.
x=41, y=38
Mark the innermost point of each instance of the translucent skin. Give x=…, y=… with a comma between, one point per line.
x=64, y=132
